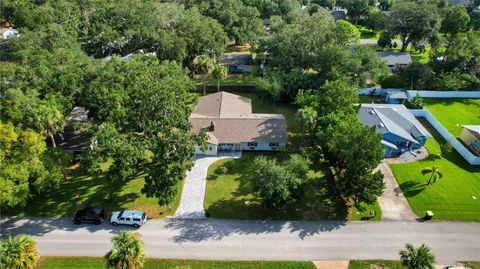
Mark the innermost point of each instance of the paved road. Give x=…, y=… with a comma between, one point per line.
x=193, y=193
x=271, y=240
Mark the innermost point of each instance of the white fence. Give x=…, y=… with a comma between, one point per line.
x=444, y=94
x=457, y=145
x=423, y=94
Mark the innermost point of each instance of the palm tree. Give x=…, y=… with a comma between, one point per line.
x=219, y=72
x=203, y=65
x=127, y=251
x=435, y=174
x=306, y=118
x=417, y=258
x=18, y=252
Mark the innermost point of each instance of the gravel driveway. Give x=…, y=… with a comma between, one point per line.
x=193, y=194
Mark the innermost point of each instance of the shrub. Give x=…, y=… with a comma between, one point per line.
x=446, y=148
x=222, y=170
x=392, y=81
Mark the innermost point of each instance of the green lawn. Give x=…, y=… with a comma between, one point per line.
x=231, y=196
x=452, y=113
x=369, y=264
x=81, y=190
x=366, y=33
x=246, y=79
x=97, y=262
x=450, y=198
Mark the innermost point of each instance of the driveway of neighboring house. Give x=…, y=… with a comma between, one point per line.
x=193, y=194
x=394, y=205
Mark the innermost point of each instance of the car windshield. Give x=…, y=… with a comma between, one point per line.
x=144, y=216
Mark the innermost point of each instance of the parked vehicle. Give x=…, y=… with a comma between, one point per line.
x=89, y=214
x=134, y=218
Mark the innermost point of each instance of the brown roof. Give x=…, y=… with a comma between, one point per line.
x=233, y=121
x=223, y=104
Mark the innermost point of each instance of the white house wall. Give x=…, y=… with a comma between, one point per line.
x=261, y=146
x=211, y=150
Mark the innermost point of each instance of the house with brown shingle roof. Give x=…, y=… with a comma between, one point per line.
x=231, y=125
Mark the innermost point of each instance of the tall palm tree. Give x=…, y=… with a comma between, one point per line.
x=18, y=252
x=219, y=72
x=203, y=65
x=127, y=251
x=434, y=172
x=306, y=118
x=417, y=258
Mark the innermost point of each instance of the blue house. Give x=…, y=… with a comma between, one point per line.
x=394, y=97
x=401, y=131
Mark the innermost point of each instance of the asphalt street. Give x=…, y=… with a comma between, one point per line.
x=257, y=240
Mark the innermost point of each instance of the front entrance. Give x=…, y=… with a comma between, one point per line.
x=228, y=147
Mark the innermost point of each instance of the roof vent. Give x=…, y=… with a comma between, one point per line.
x=372, y=112
x=381, y=125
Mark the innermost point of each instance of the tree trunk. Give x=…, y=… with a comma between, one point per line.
x=53, y=141
x=301, y=140
x=218, y=85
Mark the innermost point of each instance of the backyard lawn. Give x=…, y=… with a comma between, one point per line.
x=99, y=263
x=452, y=113
x=81, y=190
x=231, y=196
x=454, y=197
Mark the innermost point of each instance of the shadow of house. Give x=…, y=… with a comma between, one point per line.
x=74, y=138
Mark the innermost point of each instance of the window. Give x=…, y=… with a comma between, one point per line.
x=273, y=144
x=135, y=219
x=121, y=219
x=127, y=219
x=252, y=144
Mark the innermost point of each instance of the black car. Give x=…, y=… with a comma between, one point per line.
x=89, y=214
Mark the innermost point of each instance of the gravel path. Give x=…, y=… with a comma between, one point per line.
x=193, y=194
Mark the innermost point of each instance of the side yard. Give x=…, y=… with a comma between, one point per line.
x=454, y=197
x=81, y=190
x=452, y=113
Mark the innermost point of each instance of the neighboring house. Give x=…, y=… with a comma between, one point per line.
x=400, y=130
x=238, y=63
x=394, y=97
x=470, y=136
x=74, y=138
x=339, y=15
x=466, y=3
x=9, y=32
x=230, y=125
x=395, y=60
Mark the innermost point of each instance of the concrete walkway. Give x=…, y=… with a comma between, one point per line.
x=331, y=264
x=394, y=205
x=193, y=194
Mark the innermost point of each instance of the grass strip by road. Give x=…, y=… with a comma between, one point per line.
x=368, y=264
x=99, y=263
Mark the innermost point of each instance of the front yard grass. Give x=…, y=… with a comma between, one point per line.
x=452, y=113
x=231, y=196
x=81, y=190
x=450, y=198
x=368, y=264
x=99, y=263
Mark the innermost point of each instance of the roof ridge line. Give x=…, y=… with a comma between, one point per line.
x=220, y=105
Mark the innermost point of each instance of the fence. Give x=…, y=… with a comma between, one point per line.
x=457, y=145
x=424, y=94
